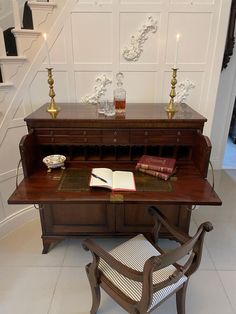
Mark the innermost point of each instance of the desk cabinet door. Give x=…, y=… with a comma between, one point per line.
x=134, y=218
x=74, y=219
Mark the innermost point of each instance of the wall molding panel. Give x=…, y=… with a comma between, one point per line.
x=17, y=219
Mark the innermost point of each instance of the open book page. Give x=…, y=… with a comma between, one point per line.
x=101, y=175
x=114, y=180
x=123, y=180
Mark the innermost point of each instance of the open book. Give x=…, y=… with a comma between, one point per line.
x=114, y=180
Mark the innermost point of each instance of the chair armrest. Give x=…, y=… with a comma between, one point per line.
x=98, y=252
x=161, y=220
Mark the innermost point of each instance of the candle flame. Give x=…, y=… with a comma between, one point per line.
x=45, y=36
x=177, y=37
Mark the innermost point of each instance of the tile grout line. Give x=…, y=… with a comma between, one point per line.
x=54, y=290
x=58, y=278
x=218, y=276
x=222, y=284
x=217, y=273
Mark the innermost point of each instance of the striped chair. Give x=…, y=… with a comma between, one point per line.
x=139, y=275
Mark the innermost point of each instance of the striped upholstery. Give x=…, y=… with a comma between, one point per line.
x=133, y=254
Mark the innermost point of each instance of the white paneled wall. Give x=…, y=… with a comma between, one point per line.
x=93, y=39
x=90, y=40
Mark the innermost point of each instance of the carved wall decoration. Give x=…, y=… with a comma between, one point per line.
x=99, y=89
x=183, y=92
x=134, y=50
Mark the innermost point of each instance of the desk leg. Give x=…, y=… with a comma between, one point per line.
x=48, y=240
x=46, y=245
x=47, y=232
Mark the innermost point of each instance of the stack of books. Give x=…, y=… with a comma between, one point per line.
x=160, y=167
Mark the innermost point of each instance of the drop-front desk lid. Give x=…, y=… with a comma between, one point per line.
x=72, y=186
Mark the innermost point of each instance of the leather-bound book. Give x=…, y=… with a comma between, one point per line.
x=162, y=164
x=158, y=174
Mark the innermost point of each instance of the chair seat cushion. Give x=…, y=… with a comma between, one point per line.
x=134, y=253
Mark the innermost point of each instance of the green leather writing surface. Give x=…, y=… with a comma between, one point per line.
x=78, y=180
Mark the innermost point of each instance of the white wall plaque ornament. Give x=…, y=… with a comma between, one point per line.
x=184, y=88
x=99, y=89
x=134, y=50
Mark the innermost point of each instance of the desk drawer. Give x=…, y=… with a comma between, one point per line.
x=114, y=137
x=77, y=139
x=68, y=136
x=80, y=140
x=162, y=137
x=186, y=137
x=158, y=137
x=67, y=132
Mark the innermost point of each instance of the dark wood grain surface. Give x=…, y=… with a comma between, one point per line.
x=85, y=115
x=43, y=187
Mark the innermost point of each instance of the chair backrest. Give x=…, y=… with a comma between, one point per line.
x=193, y=246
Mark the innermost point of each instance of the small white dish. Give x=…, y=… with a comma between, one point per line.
x=54, y=161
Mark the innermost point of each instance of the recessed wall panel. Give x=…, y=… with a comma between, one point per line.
x=92, y=37
x=141, y=1
x=9, y=149
x=192, y=2
x=140, y=86
x=194, y=30
x=7, y=187
x=57, y=52
x=95, y=2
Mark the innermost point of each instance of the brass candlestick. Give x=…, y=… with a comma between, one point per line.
x=171, y=108
x=52, y=108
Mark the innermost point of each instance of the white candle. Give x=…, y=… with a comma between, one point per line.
x=176, y=50
x=47, y=50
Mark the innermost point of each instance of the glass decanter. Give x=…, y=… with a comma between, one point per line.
x=120, y=94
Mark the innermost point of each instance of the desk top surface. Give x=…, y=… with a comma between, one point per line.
x=153, y=114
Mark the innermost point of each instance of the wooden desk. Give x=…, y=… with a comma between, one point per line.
x=89, y=140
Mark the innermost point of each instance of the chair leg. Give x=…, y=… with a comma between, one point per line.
x=180, y=298
x=95, y=288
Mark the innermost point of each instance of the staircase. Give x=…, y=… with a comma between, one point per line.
x=30, y=53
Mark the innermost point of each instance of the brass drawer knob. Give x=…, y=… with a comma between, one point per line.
x=84, y=132
x=115, y=133
x=114, y=140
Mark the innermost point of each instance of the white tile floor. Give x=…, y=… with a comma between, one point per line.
x=56, y=283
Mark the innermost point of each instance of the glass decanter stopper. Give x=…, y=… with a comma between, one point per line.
x=120, y=94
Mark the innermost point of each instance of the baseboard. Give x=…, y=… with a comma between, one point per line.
x=17, y=220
